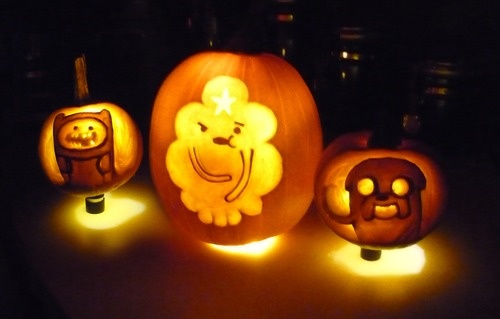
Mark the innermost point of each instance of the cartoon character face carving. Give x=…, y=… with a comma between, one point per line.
x=83, y=144
x=221, y=159
x=82, y=134
x=385, y=202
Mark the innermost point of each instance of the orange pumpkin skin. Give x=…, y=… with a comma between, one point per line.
x=384, y=218
x=91, y=149
x=233, y=185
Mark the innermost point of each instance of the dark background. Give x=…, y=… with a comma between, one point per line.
x=131, y=45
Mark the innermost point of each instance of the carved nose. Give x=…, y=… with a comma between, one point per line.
x=221, y=141
x=382, y=196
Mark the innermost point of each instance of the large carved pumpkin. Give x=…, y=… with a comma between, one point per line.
x=235, y=140
x=379, y=198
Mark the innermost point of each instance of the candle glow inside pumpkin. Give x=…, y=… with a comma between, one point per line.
x=222, y=159
x=91, y=149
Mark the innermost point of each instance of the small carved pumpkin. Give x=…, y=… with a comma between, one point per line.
x=235, y=140
x=91, y=149
x=379, y=198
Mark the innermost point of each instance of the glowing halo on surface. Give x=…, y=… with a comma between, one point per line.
x=254, y=249
x=394, y=262
x=117, y=212
x=131, y=215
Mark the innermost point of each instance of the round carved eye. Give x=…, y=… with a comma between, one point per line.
x=75, y=128
x=365, y=186
x=237, y=130
x=400, y=186
x=91, y=128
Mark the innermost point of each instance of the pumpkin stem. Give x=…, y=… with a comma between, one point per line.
x=81, y=86
x=384, y=135
x=251, y=37
x=94, y=204
x=370, y=254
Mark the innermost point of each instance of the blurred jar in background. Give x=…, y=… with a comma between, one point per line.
x=443, y=121
x=345, y=82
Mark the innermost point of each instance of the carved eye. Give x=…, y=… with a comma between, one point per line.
x=237, y=130
x=400, y=186
x=203, y=127
x=365, y=186
x=91, y=128
x=75, y=128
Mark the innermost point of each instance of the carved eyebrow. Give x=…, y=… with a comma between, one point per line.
x=203, y=126
x=238, y=123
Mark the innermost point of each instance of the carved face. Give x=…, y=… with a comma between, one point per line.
x=380, y=198
x=83, y=146
x=90, y=149
x=81, y=134
x=235, y=139
x=221, y=159
x=82, y=131
x=384, y=199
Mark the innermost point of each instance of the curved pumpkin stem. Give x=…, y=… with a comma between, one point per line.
x=81, y=85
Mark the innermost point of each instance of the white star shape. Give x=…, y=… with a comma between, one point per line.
x=223, y=102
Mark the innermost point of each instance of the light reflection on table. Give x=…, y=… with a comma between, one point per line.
x=253, y=249
x=394, y=262
x=142, y=268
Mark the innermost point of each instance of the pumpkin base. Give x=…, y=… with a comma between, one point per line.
x=95, y=204
x=370, y=254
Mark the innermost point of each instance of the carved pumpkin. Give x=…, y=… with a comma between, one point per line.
x=89, y=149
x=234, y=144
x=379, y=198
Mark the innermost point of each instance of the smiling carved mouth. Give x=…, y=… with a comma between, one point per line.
x=385, y=211
x=82, y=139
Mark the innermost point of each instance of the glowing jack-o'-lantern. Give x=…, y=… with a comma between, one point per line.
x=379, y=198
x=90, y=149
x=235, y=140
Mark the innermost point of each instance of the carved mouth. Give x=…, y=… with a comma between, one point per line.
x=385, y=211
x=82, y=139
x=223, y=141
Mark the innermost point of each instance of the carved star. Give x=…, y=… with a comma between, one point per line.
x=223, y=102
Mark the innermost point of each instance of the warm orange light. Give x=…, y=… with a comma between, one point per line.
x=380, y=198
x=223, y=158
x=230, y=161
x=131, y=214
x=89, y=149
x=394, y=262
x=117, y=212
x=254, y=249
